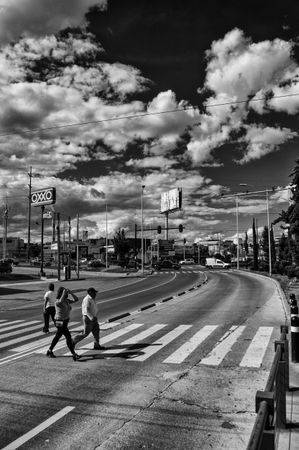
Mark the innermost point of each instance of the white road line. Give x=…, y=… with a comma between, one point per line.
x=35, y=431
x=221, y=349
x=137, y=338
x=184, y=351
x=16, y=332
x=11, y=325
x=3, y=320
x=256, y=350
x=108, y=338
x=161, y=342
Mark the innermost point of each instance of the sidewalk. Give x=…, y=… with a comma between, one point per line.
x=289, y=438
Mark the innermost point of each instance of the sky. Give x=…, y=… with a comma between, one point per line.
x=100, y=98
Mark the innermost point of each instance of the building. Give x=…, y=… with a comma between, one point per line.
x=15, y=247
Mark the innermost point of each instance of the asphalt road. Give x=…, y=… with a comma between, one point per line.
x=180, y=375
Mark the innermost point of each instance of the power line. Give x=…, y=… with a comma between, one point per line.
x=135, y=116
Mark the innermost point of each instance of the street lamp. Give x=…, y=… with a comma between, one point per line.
x=141, y=230
x=106, y=236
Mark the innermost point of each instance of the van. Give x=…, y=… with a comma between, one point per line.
x=214, y=263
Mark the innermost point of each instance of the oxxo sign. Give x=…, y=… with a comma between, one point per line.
x=43, y=197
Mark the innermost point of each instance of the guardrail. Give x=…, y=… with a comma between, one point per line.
x=270, y=404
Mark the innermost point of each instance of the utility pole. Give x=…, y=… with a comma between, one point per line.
x=58, y=244
x=5, y=220
x=77, y=254
x=29, y=214
x=42, y=273
x=142, y=249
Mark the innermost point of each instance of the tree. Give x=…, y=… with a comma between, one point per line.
x=246, y=244
x=265, y=246
x=255, y=247
x=291, y=215
x=121, y=246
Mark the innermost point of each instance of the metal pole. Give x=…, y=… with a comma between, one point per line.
x=29, y=215
x=42, y=273
x=5, y=219
x=77, y=255
x=237, y=226
x=58, y=245
x=198, y=254
x=106, y=237
x=166, y=225
x=269, y=234
x=69, y=247
x=142, y=249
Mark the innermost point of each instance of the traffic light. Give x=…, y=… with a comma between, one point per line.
x=159, y=229
x=180, y=228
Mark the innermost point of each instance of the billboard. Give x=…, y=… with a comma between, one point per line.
x=43, y=197
x=171, y=200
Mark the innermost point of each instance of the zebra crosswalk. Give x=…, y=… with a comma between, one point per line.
x=139, y=342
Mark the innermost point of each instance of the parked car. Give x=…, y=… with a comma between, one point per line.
x=166, y=264
x=5, y=266
x=187, y=261
x=12, y=261
x=96, y=263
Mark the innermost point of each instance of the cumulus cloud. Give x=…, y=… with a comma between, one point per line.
x=263, y=140
x=239, y=73
x=37, y=18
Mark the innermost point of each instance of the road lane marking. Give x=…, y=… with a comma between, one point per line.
x=12, y=325
x=161, y=342
x=35, y=431
x=257, y=348
x=108, y=338
x=221, y=349
x=186, y=349
x=15, y=332
x=135, y=339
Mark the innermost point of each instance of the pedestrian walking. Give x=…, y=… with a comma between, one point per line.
x=90, y=320
x=49, y=307
x=62, y=316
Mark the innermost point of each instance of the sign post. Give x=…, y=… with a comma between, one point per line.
x=41, y=198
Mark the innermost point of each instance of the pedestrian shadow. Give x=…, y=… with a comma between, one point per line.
x=125, y=352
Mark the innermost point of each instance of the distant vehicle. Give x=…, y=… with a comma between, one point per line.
x=166, y=264
x=187, y=261
x=5, y=266
x=12, y=261
x=96, y=263
x=35, y=262
x=214, y=263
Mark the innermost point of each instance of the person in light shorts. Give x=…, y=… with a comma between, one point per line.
x=90, y=320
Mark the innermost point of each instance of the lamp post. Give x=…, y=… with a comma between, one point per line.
x=269, y=233
x=268, y=217
x=106, y=237
x=141, y=230
x=237, y=229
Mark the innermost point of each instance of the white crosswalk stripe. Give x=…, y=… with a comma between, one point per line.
x=140, y=346
x=13, y=325
x=110, y=337
x=224, y=346
x=256, y=350
x=186, y=349
x=161, y=342
x=136, y=339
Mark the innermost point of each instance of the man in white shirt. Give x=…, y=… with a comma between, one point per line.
x=90, y=320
